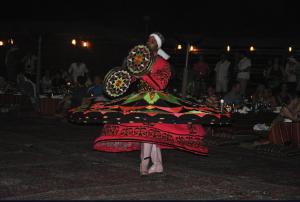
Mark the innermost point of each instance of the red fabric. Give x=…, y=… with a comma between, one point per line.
x=282, y=133
x=126, y=137
x=160, y=74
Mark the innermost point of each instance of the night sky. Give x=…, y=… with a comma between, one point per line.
x=214, y=18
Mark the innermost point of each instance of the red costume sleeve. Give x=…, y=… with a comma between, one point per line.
x=160, y=74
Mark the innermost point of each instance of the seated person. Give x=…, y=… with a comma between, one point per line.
x=292, y=110
x=77, y=97
x=57, y=81
x=234, y=95
x=268, y=98
x=27, y=87
x=283, y=97
x=96, y=90
x=287, y=133
x=46, y=83
x=212, y=99
x=258, y=95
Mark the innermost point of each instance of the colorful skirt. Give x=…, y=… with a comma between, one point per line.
x=154, y=117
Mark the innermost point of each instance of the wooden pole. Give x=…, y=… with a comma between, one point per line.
x=185, y=72
x=38, y=69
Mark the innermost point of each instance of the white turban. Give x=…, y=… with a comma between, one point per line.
x=159, y=42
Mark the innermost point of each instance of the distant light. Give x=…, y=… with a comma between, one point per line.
x=1, y=43
x=290, y=49
x=179, y=46
x=228, y=48
x=74, y=42
x=11, y=41
x=85, y=44
x=252, y=49
x=192, y=48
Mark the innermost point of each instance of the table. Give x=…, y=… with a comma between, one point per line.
x=48, y=106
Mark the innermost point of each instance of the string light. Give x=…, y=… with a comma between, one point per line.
x=85, y=44
x=228, y=48
x=74, y=42
x=179, y=46
x=252, y=48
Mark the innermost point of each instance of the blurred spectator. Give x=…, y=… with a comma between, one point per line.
x=290, y=70
x=283, y=97
x=269, y=99
x=57, y=81
x=234, y=95
x=212, y=99
x=79, y=92
x=46, y=82
x=258, y=95
x=200, y=77
x=12, y=62
x=97, y=88
x=64, y=74
x=77, y=69
x=275, y=74
x=221, y=69
x=27, y=87
x=30, y=65
x=88, y=80
x=243, y=75
x=267, y=68
x=292, y=110
x=77, y=97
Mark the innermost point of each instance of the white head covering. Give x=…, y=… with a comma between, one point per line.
x=159, y=40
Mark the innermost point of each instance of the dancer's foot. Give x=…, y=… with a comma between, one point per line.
x=144, y=166
x=156, y=168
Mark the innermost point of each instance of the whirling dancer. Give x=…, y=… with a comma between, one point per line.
x=151, y=119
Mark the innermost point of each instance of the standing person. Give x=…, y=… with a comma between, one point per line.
x=243, y=75
x=221, y=69
x=78, y=69
x=46, y=82
x=275, y=74
x=290, y=70
x=201, y=76
x=30, y=63
x=148, y=136
x=12, y=62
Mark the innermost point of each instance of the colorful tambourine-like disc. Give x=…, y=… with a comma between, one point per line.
x=117, y=82
x=139, y=60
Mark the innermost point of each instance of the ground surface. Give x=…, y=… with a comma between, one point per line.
x=46, y=158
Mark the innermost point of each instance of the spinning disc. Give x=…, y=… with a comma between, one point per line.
x=116, y=82
x=139, y=60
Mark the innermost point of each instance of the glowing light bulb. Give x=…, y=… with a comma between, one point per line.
x=74, y=42
x=228, y=48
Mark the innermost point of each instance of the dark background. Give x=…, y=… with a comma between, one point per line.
x=115, y=26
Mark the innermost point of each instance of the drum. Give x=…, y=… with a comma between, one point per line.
x=116, y=82
x=139, y=60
